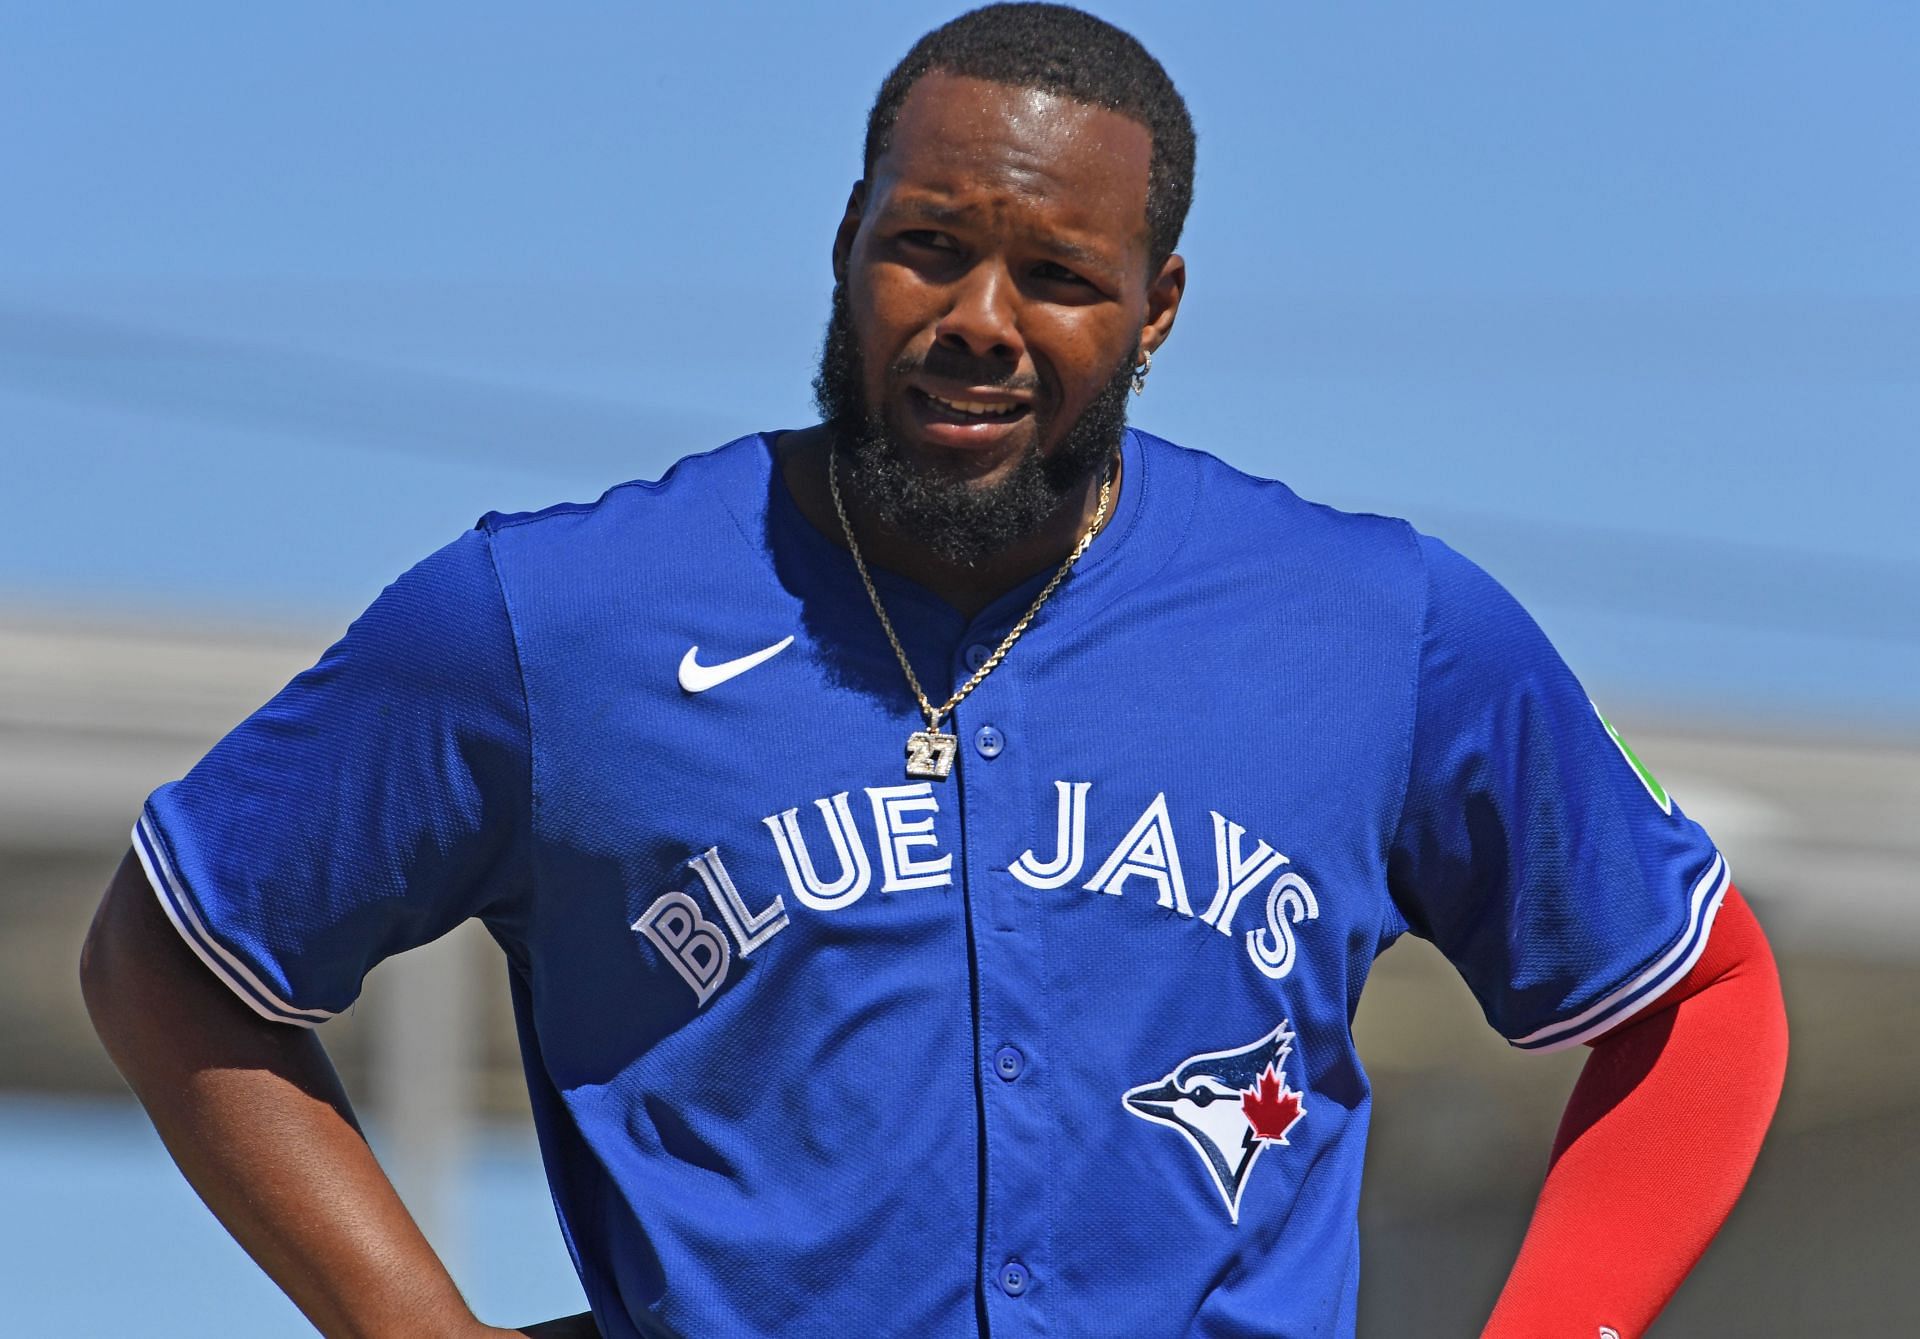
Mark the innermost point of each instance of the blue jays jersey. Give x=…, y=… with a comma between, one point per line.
x=1056, y=1046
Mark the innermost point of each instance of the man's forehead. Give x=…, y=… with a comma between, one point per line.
x=956, y=133
x=953, y=111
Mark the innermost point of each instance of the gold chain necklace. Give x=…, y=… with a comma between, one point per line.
x=930, y=752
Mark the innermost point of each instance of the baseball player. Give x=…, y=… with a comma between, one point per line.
x=938, y=853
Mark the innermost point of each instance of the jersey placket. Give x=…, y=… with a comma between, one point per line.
x=997, y=779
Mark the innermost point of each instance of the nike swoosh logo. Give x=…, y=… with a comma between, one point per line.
x=697, y=678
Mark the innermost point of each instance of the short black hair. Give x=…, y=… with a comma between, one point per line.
x=1062, y=50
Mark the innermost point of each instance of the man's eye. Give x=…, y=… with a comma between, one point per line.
x=1059, y=274
x=922, y=237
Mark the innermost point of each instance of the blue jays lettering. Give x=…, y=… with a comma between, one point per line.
x=701, y=948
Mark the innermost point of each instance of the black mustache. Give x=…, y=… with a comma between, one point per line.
x=963, y=369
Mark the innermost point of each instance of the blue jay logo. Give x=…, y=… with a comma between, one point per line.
x=1230, y=1105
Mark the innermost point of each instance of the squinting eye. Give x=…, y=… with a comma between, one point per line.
x=1059, y=274
x=936, y=241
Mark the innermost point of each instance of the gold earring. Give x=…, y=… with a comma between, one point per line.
x=1140, y=370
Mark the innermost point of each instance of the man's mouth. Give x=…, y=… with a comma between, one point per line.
x=972, y=408
x=965, y=411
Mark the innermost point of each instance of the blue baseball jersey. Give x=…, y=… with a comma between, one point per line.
x=1057, y=1046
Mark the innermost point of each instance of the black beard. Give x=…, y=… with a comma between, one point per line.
x=959, y=521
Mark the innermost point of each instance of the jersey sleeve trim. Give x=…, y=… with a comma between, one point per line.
x=1651, y=984
x=180, y=909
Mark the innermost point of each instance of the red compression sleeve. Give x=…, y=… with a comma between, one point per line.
x=1654, y=1148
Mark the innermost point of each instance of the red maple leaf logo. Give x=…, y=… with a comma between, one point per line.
x=1271, y=1107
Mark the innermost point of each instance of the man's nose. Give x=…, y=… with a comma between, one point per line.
x=983, y=320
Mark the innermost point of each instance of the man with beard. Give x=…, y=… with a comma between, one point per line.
x=884, y=825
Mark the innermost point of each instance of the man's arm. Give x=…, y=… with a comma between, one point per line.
x=256, y=1119
x=1655, y=1146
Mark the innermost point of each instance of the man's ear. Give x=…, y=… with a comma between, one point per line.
x=849, y=226
x=1163, y=303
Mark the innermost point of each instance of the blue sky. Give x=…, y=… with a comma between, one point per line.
x=1623, y=300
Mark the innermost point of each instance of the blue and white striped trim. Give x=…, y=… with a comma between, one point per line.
x=240, y=978
x=1651, y=984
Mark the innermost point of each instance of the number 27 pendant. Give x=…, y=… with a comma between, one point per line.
x=930, y=754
